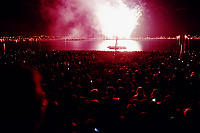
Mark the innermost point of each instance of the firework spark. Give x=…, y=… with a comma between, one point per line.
x=91, y=18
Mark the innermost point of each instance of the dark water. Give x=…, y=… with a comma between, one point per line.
x=132, y=45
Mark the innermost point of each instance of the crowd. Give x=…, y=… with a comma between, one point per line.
x=99, y=91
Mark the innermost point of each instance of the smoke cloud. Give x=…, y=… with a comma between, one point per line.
x=76, y=18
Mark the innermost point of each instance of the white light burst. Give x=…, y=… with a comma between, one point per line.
x=117, y=20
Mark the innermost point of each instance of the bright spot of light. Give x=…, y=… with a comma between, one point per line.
x=117, y=19
x=95, y=129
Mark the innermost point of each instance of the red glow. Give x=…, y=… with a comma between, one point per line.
x=117, y=19
x=91, y=18
x=56, y=103
x=4, y=46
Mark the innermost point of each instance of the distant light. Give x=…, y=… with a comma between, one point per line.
x=4, y=46
x=96, y=130
x=154, y=100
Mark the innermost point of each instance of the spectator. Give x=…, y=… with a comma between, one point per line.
x=22, y=99
x=156, y=96
x=69, y=77
x=139, y=94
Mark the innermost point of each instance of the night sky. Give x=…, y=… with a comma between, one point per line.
x=160, y=17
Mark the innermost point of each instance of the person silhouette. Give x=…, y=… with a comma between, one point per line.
x=22, y=99
x=139, y=94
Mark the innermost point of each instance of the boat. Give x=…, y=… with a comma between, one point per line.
x=116, y=47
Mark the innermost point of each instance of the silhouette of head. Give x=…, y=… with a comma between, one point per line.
x=22, y=99
x=140, y=91
x=94, y=93
x=155, y=93
x=110, y=91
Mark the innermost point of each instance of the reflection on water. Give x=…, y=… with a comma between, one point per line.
x=101, y=45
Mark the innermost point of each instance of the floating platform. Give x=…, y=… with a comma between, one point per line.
x=116, y=47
